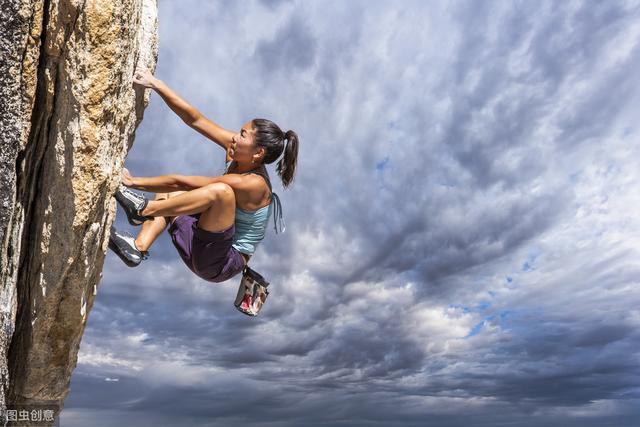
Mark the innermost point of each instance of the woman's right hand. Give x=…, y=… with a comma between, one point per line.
x=143, y=77
x=127, y=179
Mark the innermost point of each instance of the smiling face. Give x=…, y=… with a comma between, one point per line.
x=243, y=149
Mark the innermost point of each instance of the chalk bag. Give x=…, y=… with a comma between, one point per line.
x=252, y=292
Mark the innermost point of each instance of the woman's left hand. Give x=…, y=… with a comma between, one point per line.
x=127, y=179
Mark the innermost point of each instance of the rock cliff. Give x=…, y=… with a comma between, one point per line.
x=68, y=113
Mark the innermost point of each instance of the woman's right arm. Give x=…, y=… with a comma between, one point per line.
x=189, y=114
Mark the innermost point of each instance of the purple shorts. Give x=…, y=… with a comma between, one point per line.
x=208, y=254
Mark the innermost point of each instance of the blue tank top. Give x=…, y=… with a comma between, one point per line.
x=251, y=225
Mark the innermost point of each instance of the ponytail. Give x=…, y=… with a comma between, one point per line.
x=286, y=167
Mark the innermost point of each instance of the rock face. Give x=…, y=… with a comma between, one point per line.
x=68, y=113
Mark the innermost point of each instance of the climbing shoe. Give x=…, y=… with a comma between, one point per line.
x=124, y=245
x=132, y=203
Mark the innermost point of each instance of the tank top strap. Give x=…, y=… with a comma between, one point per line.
x=278, y=218
x=263, y=173
x=227, y=166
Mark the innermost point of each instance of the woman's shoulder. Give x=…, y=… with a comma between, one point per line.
x=258, y=194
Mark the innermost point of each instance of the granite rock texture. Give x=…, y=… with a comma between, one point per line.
x=68, y=114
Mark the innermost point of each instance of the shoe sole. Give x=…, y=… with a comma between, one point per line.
x=124, y=259
x=124, y=207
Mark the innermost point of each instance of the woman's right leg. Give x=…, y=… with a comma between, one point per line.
x=152, y=229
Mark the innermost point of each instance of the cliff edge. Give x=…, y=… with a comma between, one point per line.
x=68, y=114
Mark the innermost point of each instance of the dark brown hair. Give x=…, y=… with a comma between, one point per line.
x=269, y=136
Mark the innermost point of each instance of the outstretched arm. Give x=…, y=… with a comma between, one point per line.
x=168, y=183
x=188, y=113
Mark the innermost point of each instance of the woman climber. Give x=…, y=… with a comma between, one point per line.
x=216, y=222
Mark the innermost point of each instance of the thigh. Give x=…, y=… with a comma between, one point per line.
x=221, y=214
x=170, y=219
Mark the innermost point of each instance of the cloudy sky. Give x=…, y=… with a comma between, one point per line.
x=462, y=233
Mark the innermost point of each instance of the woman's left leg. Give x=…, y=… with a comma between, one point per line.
x=151, y=230
x=212, y=254
x=215, y=202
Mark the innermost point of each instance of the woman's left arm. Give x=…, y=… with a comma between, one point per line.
x=169, y=183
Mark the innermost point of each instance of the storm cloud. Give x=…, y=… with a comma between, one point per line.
x=462, y=232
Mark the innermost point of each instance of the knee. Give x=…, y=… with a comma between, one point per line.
x=219, y=191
